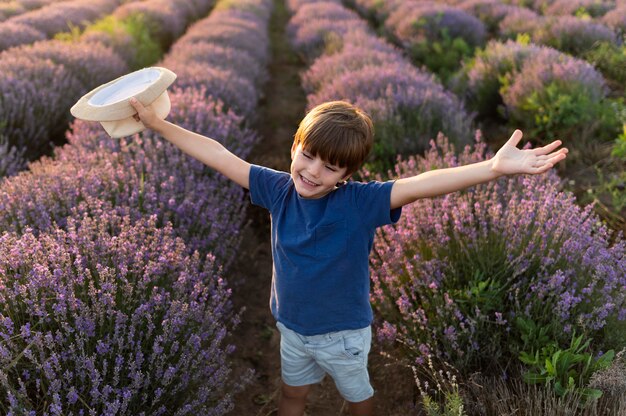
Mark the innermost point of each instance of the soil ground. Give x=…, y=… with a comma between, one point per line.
x=256, y=338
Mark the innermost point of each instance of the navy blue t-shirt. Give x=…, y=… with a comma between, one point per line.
x=320, y=249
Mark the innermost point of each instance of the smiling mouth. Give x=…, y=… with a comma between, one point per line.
x=308, y=182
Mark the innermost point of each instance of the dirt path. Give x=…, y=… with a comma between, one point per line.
x=256, y=338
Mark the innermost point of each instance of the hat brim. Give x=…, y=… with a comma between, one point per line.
x=109, y=102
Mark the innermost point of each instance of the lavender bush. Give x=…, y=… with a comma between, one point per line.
x=490, y=12
x=454, y=274
x=15, y=34
x=555, y=94
x=593, y=8
x=35, y=96
x=313, y=25
x=408, y=107
x=78, y=59
x=54, y=18
x=10, y=9
x=112, y=316
x=519, y=21
x=481, y=79
x=136, y=176
x=435, y=35
x=11, y=158
x=165, y=20
x=351, y=59
x=572, y=35
x=616, y=19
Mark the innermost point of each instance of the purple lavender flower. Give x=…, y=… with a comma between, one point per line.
x=28, y=86
x=351, y=58
x=534, y=249
x=11, y=158
x=54, y=18
x=518, y=21
x=100, y=298
x=416, y=23
x=15, y=34
x=572, y=35
x=486, y=72
x=409, y=107
x=316, y=24
x=616, y=18
x=78, y=59
x=595, y=8
x=490, y=12
x=546, y=67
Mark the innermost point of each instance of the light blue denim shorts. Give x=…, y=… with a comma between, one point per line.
x=343, y=355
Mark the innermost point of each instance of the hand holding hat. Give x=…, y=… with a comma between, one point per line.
x=109, y=104
x=144, y=115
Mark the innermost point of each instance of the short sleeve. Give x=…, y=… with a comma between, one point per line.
x=266, y=185
x=373, y=200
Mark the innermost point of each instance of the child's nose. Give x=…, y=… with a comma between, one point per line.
x=316, y=168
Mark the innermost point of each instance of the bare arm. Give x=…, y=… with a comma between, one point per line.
x=508, y=161
x=205, y=149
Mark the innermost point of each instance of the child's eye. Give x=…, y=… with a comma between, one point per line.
x=306, y=155
x=331, y=168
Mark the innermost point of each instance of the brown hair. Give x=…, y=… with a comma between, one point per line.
x=337, y=132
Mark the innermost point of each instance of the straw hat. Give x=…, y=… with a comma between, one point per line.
x=109, y=104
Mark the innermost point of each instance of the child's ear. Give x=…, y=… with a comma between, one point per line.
x=293, y=149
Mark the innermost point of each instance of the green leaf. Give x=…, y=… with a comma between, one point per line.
x=550, y=368
x=605, y=360
x=588, y=393
x=534, y=378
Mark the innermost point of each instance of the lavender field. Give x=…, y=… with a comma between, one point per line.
x=135, y=281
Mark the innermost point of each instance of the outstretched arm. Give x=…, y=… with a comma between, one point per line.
x=508, y=161
x=206, y=150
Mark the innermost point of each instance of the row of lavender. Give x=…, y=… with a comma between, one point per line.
x=112, y=252
x=458, y=275
x=347, y=61
x=40, y=82
x=12, y=8
x=543, y=90
x=45, y=22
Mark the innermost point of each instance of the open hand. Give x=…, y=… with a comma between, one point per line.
x=144, y=114
x=510, y=160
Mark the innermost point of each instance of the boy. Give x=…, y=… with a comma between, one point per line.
x=322, y=233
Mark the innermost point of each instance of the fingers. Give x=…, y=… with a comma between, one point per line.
x=138, y=107
x=515, y=138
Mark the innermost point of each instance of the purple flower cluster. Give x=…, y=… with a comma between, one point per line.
x=227, y=54
x=524, y=69
x=54, y=18
x=113, y=316
x=595, y=8
x=546, y=67
x=490, y=12
x=616, y=19
x=15, y=34
x=416, y=23
x=408, y=106
x=572, y=35
x=40, y=82
x=518, y=21
x=116, y=295
x=11, y=158
x=455, y=272
x=317, y=25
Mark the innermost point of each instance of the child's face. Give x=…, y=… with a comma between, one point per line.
x=312, y=176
